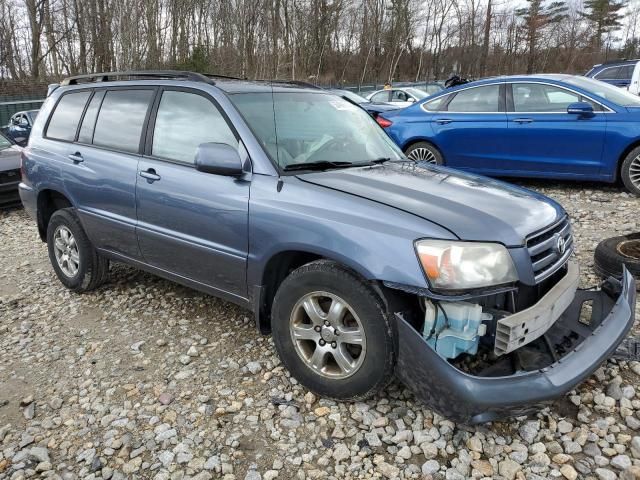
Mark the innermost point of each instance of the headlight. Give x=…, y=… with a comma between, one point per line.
x=464, y=265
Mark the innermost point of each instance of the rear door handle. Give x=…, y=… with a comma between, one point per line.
x=76, y=157
x=443, y=121
x=523, y=120
x=150, y=174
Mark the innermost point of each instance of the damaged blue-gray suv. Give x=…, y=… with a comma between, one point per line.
x=294, y=203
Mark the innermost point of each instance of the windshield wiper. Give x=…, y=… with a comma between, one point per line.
x=321, y=165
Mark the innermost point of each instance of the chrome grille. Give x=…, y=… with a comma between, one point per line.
x=545, y=249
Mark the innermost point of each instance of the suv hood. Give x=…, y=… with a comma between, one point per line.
x=472, y=207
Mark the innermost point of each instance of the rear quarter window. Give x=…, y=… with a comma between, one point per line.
x=66, y=116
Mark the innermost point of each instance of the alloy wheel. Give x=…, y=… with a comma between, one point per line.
x=66, y=251
x=328, y=335
x=634, y=172
x=422, y=154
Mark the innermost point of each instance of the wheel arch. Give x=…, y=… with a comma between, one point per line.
x=415, y=140
x=278, y=267
x=48, y=202
x=623, y=155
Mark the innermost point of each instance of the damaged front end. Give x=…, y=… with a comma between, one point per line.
x=478, y=360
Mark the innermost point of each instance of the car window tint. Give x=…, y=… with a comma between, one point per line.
x=537, y=97
x=435, y=104
x=381, y=97
x=121, y=119
x=89, y=120
x=611, y=73
x=184, y=121
x=476, y=99
x=66, y=116
x=626, y=72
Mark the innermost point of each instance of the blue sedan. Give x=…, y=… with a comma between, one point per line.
x=545, y=126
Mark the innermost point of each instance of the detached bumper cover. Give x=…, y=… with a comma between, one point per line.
x=473, y=399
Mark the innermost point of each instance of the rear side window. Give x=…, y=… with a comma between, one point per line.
x=476, y=99
x=89, y=120
x=610, y=73
x=121, y=119
x=184, y=121
x=626, y=72
x=66, y=116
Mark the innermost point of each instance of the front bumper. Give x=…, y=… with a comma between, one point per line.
x=9, y=196
x=473, y=399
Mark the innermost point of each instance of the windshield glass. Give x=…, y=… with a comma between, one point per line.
x=4, y=143
x=304, y=128
x=614, y=94
x=416, y=92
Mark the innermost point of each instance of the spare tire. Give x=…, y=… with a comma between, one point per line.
x=613, y=252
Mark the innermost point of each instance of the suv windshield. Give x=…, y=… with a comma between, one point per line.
x=316, y=129
x=609, y=92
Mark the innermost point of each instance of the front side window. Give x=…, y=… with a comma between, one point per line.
x=399, y=96
x=301, y=127
x=476, y=100
x=184, y=121
x=537, y=97
x=121, y=119
x=66, y=116
x=611, y=73
x=417, y=93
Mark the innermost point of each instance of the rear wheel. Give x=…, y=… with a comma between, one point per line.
x=77, y=264
x=332, y=332
x=424, y=152
x=630, y=171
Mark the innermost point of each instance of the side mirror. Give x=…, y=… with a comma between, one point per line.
x=580, y=108
x=411, y=100
x=218, y=158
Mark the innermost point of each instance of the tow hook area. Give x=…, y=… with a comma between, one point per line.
x=527, y=378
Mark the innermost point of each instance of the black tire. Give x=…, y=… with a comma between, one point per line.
x=93, y=269
x=376, y=369
x=630, y=171
x=415, y=152
x=613, y=252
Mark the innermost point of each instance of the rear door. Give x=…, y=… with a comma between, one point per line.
x=469, y=129
x=101, y=160
x=190, y=223
x=545, y=140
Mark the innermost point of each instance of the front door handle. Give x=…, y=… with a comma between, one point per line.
x=523, y=120
x=76, y=157
x=150, y=174
x=443, y=121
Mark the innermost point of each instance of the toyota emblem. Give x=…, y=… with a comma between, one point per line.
x=560, y=245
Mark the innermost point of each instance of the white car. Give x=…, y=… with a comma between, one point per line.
x=401, y=97
x=634, y=85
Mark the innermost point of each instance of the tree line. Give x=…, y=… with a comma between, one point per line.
x=321, y=41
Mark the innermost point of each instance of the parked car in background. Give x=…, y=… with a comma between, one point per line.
x=9, y=172
x=293, y=203
x=546, y=126
x=373, y=108
x=399, y=96
x=616, y=72
x=19, y=127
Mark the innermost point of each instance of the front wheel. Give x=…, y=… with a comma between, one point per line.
x=332, y=332
x=424, y=152
x=630, y=171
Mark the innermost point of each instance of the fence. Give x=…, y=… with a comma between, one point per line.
x=10, y=104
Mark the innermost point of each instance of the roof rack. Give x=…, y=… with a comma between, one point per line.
x=620, y=60
x=140, y=74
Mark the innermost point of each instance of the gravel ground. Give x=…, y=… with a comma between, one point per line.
x=147, y=379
